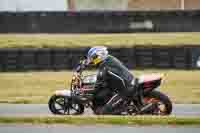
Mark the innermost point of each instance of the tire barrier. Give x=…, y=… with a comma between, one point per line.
x=23, y=59
x=100, y=22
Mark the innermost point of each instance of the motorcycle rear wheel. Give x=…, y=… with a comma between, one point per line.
x=164, y=104
x=61, y=105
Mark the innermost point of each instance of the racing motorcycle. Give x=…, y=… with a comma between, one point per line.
x=147, y=100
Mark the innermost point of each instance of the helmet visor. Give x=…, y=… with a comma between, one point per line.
x=93, y=59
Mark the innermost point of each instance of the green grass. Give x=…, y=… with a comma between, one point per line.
x=93, y=120
x=182, y=86
x=116, y=40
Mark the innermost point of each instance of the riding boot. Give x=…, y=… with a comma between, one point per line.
x=111, y=105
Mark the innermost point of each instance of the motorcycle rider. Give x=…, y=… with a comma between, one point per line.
x=112, y=74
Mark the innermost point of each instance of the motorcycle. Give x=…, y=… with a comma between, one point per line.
x=73, y=101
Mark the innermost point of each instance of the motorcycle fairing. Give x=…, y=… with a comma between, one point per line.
x=63, y=93
x=150, y=82
x=150, y=78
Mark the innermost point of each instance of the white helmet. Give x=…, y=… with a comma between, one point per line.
x=97, y=54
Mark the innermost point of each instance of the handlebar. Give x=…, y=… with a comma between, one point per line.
x=82, y=64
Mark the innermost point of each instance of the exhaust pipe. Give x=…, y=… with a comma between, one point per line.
x=147, y=108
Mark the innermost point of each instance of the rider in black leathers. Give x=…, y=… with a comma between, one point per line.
x=112, y=75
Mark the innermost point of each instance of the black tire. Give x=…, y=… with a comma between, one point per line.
x=163, y=99
x=65, y=107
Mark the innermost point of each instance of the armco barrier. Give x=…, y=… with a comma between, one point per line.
x=100, y=22
x=163, y=57
x=16, y=59
x=27, y=59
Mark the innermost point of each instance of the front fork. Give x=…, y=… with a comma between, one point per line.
x=67, y=102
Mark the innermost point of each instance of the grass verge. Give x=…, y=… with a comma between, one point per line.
x=83, y=40
x=122, y=120
x=182, y=86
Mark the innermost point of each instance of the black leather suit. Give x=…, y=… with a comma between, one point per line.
x=114, y=75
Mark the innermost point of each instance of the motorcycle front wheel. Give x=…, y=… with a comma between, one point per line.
x=61, y=105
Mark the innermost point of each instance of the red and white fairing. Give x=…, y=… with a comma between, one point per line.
x=150, y=77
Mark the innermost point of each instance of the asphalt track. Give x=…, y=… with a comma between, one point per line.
x=42, y=109
x=95, y=129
